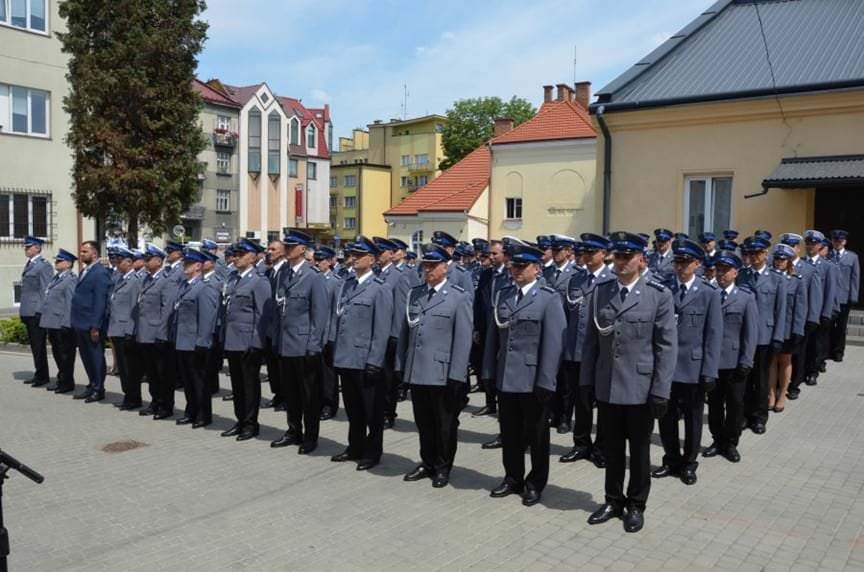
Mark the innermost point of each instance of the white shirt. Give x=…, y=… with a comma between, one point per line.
x=527, y=288
x=209, y=274
x=500, y=269
x=361, y=279
x=599, y=271
x=688, y=284
x=125, y=276
x=564, y=266
x=762, y=271
x=729, y=288
x=629, y=286
x=297, y=266
x=192, y=280
x=389, y=264
x=438, y=286
x=277, y=266
x=176, y=263
x=84, y=270
x=813, y=259
x=245, y=272
x=840, y=252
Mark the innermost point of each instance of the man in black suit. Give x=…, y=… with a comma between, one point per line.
x=89, y=305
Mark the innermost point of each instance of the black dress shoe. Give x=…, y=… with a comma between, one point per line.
x=732, y=454
x=61, y=389
x=326, y=414
x=285, y=440
x=389, y=422
x=823, y=367
x=228, y=397
x=664, y=472
x=184, y=421
x=366, y=464
x=417, y=473
x=574, y=454
x=163, y=415
x=51, y=387
x=280, y=407
x=711, y=451
x=130, y=406
x=495, y=443
x=266, y=404
x=564, y=428
x=402, y=395
x=758, y=428
x=41, y=383
x=84, y=394
x=342, y=457
x=147, y=411
x=95, y=396
x=485, y=410
x=307, y=448
x=688, y=476
x=504, y=489
x=793, y=394
x=440, y=480
x=30, y=381
x=200, y=424
x=247, y=434
x=605, y=513
x=633, y=520
x=810, y=380
x=598, y=459
x=530, y=497
x=232, y=432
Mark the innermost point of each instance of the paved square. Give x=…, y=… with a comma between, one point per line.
x=190, y=500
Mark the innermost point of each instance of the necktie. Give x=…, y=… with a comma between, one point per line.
x=683, y=292
x=290, y=274
x=590, y=280
x=431, y=293
x=623, y=294
x=519, y=295
x=723, y=296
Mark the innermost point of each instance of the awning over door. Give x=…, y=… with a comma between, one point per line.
x=813, y=172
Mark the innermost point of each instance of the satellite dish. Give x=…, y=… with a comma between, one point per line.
x=178, y=231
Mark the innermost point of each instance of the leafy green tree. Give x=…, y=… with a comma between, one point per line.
x=471, y=123
x=134, y=129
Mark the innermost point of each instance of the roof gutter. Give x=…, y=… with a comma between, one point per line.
x=607, y=166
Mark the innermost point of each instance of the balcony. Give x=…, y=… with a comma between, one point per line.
x=195, y=212
x=426, y=167
x=224, y=138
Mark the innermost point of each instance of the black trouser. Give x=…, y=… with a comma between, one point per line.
x=63, y=350
x=838, y=334
x=363, y=396
x=245, y=370
x=199, y=405
x=38, y=347
x=274, y=378
x=436, y=413
x=93, y=357
x=491, y=391
x=817, y=347
x=523, y=424
x=725, y=409
x=214, y=365
x=756, y=388
x=561, y=409
x=799, y=363
x=169, y=366
x=687, y=399
x=150, y=356
x=302, y=392
x=391, y=379
x=329, y=381
x=625, y=425
x=128, y=368
x=583, y=409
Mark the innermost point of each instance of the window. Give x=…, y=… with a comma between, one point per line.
x=254, y=141
x=350, y=223
x=223, y=163
x=422, y=159
x=223, y=123
x=24, y=111
x=293, y=167
x=330, y=137
x=25, y=14
x=311, y=171
x=223, y=201
x=416, y=240
x=707, y=204
x=334, y=200
x=406, y=182
x=350, y=180
x=514, y=208
x=422, y=180
x=350, y=202
x=274, y=135
x=22, y=214
x=334, y=181
x=310, y=136
x=295, y=131
x=405, y=160
x=332, y=221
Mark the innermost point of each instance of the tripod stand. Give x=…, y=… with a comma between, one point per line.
x=8, y=462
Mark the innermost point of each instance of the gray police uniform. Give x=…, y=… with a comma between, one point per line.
x=122, y=304
x=815, y=297
x=700, y=335
x=631, y=359
x=155, y=303
x=819, y=341
x=56, y=321
x=329, y=378
x=215, y=356
x=848, y=281
x=432, y=355
x=796, y=312
x=194, y=323
x=522, y=354
x=661, y=265
x=34, y=281
x=392, y=276
x=740, y=338
x=460, y=276
x=359, y=331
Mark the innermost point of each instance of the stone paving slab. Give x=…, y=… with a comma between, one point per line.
x=191, y=500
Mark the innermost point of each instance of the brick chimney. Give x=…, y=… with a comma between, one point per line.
x=547, y=93
x=582, y=93
x=564, y=92
x=503, y=125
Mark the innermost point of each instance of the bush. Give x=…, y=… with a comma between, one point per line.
x=13, y=331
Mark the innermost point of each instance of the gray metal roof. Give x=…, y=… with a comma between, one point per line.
x=809, y=172
x=813, y=44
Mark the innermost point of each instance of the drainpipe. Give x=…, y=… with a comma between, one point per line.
x=607, y=166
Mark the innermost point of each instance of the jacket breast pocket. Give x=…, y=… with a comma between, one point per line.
x=695, y=318
x=644, y=368
x=440, y=321
x=637, y=324
x=528, y=324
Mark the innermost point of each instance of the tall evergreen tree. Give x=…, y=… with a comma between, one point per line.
x=134, y=129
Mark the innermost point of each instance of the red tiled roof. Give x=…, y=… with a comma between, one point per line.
x=455, y=190
x=212, y=95
x=555, y=120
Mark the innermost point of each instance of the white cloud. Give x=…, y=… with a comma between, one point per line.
x=320, y=96
x=448, y=36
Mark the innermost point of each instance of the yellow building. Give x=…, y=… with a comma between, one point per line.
x=359, y=193
x=704, y=135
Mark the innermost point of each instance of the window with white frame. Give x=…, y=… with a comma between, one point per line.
x=311, y=171
x=25, y=14
x=334, y=181
x=406, y=182
x=405, y=160
x=254, y=141
x=514, y=208
x=416, y=240
x=295, y=131
x=707, y=204
x=24, y=111
x=22, y=214
x=223, y=201
x=350, y=223
x=293, y=168
x=274, y=135
x=350, y=202
x=422, y=180
x=350, y=180
x=310, y=136
x=223, y=123
x=422, y=159
x=223, y=163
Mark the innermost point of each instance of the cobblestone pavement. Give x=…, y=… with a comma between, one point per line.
x=190, y=500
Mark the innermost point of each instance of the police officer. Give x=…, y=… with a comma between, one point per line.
x=660, y=261
x=456, y=274
x=211, y=277
x=325, y=257
x=580, y=398
x=769, y=286
x=392, y=276
x=121, y=327
x=56, y=320
x=243, y=333
x=155, y=301
x=359, y=332
x=433, y=354
x=34, y=281
x=522, y=355
x=819, y=339
x=629, y=359
x=194, y=321
x=219, y=266
x=558, y=275
x=740, y=338
x=814, y=287
x=172, y=373
x=483, y=317
x=544, y=243
x=700, y=334
x=303, y=311
x=272, y=265
x=848, y=282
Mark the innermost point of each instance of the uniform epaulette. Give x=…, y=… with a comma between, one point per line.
x=657, y=285
x=380, y=280
x=798, y=276
x=549, y=289
x=457, y=287
x=316, y=269
x=744, y=288
x=708, y=283
x=422, y=285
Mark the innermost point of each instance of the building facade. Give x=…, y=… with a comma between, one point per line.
x=359, y=194
x=35, y=162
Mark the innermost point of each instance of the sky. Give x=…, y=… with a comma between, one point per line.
x=357, y=55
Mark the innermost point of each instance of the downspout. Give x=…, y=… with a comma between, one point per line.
x=607, y=167
x=359, y=207
x=489, y=195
